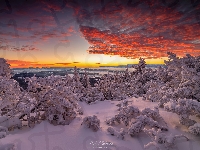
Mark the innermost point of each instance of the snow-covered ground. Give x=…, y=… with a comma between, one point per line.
x=45, y=136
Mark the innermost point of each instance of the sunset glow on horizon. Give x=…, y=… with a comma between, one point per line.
x=68, y=33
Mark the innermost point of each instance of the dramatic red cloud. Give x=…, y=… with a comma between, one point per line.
x=146, y=30
x=128, y=28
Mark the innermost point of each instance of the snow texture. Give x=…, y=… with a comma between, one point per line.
x=9, y=146
x=12, y=123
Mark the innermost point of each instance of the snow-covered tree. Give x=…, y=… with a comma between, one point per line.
x=85, y=80
x=179, y=79
x=5, y=70
x=10, y=91
x=76, y=82
x=55, y=98
x=90, y=94
x=140, y=77
x=10, y=94
x=112, y=88
x=124, y=115
x=140, y=66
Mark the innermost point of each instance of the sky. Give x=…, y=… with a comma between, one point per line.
x=93, y=33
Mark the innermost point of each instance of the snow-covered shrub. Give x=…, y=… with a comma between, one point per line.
x=141, y=76
x=190, y=83
x=54, y=98
x=195, y=129
x=111, y=87
x=124, y=115
x=76, y=84
x=92, y=122
x=3, y=135
x=146, y=117
x=155, y=91
x=91, y=95
x=184, y=108
x=180, y=78
x=161, y=139
x=158, y=92
x=4, y=68
x=120, y=85
x=120, y=134
x=25, y=109
x=173, y=69
x=60, y=110
x=154, y=114
x=9, y=94
x=162, y=75
x=50, y=98
x=82, y=88
x=139, y=124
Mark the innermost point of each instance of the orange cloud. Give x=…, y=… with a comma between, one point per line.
x=63, y=64
x=27, y=64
